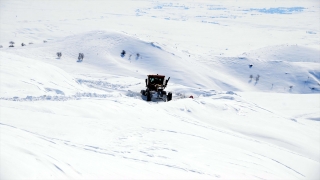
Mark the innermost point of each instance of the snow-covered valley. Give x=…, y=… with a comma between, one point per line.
x=252, y=67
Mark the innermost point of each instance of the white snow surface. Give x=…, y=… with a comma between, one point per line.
x=252, y=67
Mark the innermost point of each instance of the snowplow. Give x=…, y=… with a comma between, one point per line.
x=155, y=85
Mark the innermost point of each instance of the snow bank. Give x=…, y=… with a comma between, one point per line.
x=21, y=77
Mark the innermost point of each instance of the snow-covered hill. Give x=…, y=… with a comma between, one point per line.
x=280, y=68
x=252, y=68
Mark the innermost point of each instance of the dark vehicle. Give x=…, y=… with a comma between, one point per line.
x=155, y=85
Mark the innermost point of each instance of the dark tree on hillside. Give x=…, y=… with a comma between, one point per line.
x=59, y=54
x=123, y=53
x=11, y=44
x=257, y=78
x=80, y=57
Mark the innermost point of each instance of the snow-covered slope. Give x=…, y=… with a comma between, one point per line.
x=129, y=138
x=252, y=68
x=280, y=68
x=21, y=77
x=102, y=51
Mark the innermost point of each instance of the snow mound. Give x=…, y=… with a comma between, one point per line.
x=284, y=69
x=21, y=77
x=102, y=52
x=290, y=53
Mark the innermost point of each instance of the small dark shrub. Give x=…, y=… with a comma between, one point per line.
x=11, y=44
x=59, y=54
x=123, y=53
x=138, y=55
x=257, y=78
x=80, y=57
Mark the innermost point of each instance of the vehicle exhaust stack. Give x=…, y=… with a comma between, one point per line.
x=167, y=82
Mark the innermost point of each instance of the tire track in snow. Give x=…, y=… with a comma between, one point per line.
x=103, y=151
x=77, y=96
x=281, y=164
x=241, y=136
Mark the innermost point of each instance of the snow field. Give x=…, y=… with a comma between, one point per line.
x=182, y=145
x=63, y=119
